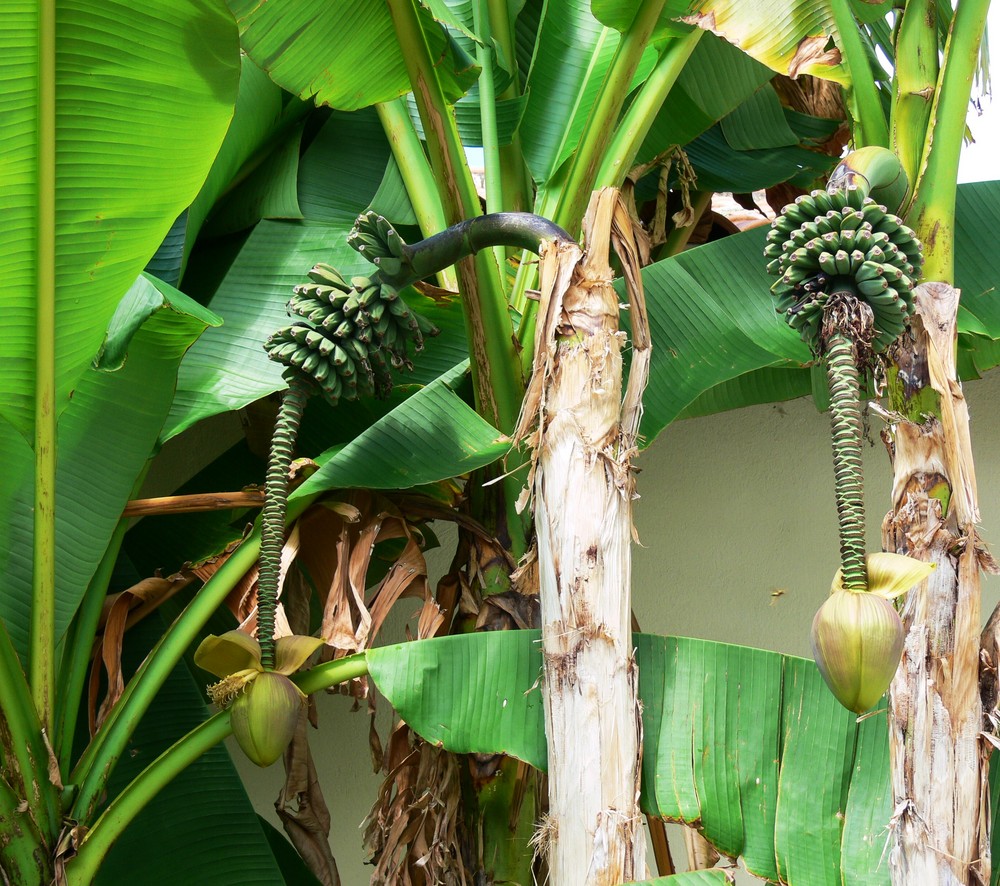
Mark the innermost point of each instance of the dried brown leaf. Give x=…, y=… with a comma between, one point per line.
x=303, y=810
x=414, y=830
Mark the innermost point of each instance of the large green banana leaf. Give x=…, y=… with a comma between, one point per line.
x=431, y=436
x=105, y=435
x=714, y=82
x=343, y=53
x=747, y=745
x=572, y=53
x=144, y=93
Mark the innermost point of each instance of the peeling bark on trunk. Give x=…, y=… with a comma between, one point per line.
x=583, y=489
x=939, y=759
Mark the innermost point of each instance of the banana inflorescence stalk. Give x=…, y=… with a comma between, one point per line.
x=347, y=335
x=347, y=338
x=846, y=269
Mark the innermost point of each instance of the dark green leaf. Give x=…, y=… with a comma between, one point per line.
x=269, y=191
x=758, y=123
x=572, y=54
x=717, y=343
x=258, y=120
x=431, y=436
x=166, y=264
x=716, y=80
x=618, y=15
x=976, y=273
x=343, y=167
x=763, y=386
x=720, y=168
x=871, y=10
x=467, y=115
x=712, y=320
x=809, y=129
x=391, y=200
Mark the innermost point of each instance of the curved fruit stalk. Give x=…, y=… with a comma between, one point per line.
x=845, y=431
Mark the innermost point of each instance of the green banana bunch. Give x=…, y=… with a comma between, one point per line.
x=826, y=242
x=378, y=242
x=350, y=333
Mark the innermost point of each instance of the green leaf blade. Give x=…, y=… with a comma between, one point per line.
x=454, y=686
x=431, y=436
x=751, y=748
x=137, y=129
x=105, y=436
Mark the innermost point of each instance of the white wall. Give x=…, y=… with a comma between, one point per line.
x=733, y=507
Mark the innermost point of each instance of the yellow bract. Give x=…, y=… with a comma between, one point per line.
x=889, y=575
x=264, y=705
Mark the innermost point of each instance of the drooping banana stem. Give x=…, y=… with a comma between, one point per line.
x=272, y=521
x=845, y=421
x=520, y=230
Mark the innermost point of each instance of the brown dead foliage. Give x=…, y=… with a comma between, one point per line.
x=303, y=810
x=414, y=830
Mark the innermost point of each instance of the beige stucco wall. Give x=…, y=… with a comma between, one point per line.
x=733, y=507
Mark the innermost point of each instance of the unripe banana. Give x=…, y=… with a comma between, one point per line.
x=869, y=270
x=321, y=372
x=389, y=265
x=395, y=243
x=348, y=369
x=332, y=387
x=356, y=349
x=332, y=320
x=872, y=287
x=823, y=201
x=324, y=273
x=369, y=296
x=399, y=308
x=828, y=262
x=383, y=227
x=799, y=257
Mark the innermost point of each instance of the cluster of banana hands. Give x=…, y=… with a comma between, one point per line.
x=352, y=330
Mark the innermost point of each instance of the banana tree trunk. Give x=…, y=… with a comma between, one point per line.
x=939, y=758
x=583, y=440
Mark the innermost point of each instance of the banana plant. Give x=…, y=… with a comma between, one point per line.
x=562, y=97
